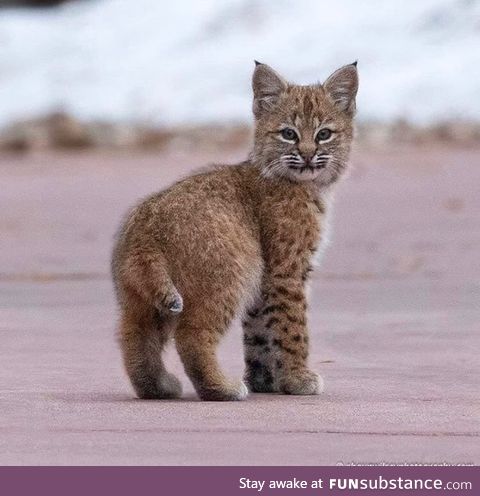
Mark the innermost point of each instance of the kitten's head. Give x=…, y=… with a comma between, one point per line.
x=303, y=133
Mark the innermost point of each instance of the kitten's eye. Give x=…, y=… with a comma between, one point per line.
x=289, y=134
x=323, y=134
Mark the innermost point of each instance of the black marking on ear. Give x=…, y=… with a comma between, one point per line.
x=355, y=63
x=257, y=62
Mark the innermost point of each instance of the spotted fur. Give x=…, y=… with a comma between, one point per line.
x=237, y=240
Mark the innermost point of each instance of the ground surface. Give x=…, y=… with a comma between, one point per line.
x=395, y=317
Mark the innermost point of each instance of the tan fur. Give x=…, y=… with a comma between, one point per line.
x=236, y=240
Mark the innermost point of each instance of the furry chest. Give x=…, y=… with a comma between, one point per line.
x=314, y=228
x=295, y=235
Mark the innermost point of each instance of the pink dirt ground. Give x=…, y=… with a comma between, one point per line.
x=394, y=317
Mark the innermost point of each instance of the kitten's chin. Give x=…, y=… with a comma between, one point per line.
x=322, y=178
x=303, y=175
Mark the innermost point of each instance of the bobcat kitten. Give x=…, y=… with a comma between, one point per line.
x=237, y=240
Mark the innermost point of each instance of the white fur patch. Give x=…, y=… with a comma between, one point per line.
x=325, y=240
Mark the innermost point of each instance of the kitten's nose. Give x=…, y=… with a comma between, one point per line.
x=308, y=157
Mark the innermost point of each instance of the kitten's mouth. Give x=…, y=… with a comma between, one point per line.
x=304, y=168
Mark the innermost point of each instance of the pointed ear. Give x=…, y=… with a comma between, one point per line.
x=342, y=87
x=267, y=88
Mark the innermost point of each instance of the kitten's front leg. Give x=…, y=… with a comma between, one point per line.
x=285, y=319
x=260, y=361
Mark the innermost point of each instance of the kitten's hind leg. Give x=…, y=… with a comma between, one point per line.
x=259, y=354
x=143, y=335
x=197, y=338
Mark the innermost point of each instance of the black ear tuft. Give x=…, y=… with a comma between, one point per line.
x=355, y=63
x=257, y=63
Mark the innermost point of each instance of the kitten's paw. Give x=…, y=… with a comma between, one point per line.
x=303, y=382
x=224, y=392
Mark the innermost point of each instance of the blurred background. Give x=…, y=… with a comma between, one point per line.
x=105, y=101
x=115, y=72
